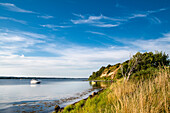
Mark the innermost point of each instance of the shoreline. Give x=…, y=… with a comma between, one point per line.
x=11, y=77
x=48, y=105
x=58, y=109
x=100, y=80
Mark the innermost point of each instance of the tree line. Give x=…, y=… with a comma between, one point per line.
x=139, y=65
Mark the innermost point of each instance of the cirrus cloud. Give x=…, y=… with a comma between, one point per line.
x=12, y=19
x=14, y=8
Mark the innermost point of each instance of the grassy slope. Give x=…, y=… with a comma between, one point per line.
x=149, y=96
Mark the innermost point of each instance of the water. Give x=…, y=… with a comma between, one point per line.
x=19, y=95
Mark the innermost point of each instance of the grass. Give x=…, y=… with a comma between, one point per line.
x=145, y=96
x=149, y=96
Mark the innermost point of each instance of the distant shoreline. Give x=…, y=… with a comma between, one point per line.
x=38, y=78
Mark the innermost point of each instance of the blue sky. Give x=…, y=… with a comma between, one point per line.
x=73, y=38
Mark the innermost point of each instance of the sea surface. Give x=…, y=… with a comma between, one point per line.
x=20, y=96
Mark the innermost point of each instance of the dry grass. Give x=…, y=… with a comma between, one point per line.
x=150, y=96
x=147, y=96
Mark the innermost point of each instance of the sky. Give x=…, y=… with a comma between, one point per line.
x=73, y=38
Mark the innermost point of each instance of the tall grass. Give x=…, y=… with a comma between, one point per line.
x=150, y=96
x=146, y=96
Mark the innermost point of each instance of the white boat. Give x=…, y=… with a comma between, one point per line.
x=34, y=81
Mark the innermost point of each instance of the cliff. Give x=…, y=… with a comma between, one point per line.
x=107, y=73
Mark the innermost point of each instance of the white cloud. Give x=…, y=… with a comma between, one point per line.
x=75, y=61
x=68, y=60
x=146, y=13
x=11, y=39
x=35, y=35
x=90, y=19
x=45, y=17
x=156, y=11
x=99, y=21
x=160, y=44
x=13, y=19
x=78, y=15
x=15, y=41
x=54, y=27
x=22, y=33
x=155, y=20
x=106, y=36
x=137, y=16
x=14, y=8
x=109, y=22
x=107, y=25
x=104, y=21
x=94, y=32
x=152, y=19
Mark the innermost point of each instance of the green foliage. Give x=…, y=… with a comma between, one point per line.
x=114, y=67
x=105, y=78
x=96, y=103
x=93, y=104
x=146, y=63
x=97, y=74
x=144, y=74
x=118, y=74
x=150, y=59
x=108, y=66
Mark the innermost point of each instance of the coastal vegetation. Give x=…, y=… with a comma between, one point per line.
x=141, y=86
x=137, y=67
x=149, y=96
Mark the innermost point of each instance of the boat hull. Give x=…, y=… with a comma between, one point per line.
x=35, y=82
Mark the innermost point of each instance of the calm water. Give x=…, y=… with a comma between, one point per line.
x=19, y=95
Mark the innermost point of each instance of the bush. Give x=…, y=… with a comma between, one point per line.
x=147, y=62
x=144, y=74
